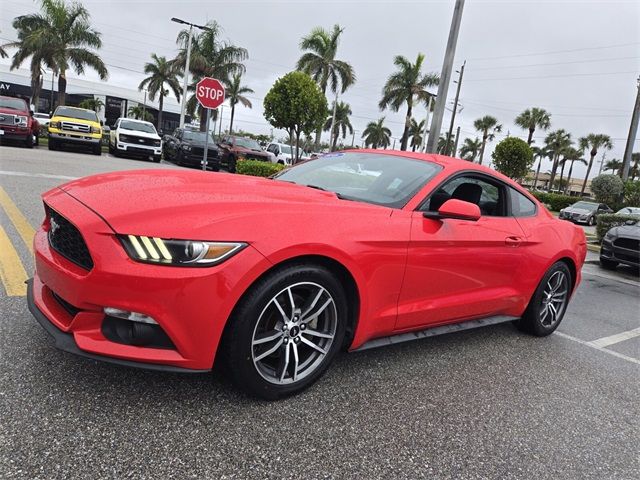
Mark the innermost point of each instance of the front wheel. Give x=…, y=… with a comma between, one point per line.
x=285, y=331
x=591, y=222
x=28, y=142
x=549, y=302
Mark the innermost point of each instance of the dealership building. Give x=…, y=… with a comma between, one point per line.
x=117, y=100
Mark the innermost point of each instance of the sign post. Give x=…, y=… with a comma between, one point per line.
x=210, y=94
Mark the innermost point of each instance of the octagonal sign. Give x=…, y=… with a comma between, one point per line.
x=210, y=92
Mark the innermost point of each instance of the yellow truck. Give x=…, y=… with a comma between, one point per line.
x=78, y=126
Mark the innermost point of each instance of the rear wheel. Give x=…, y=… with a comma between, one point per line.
x=591, y=222
x=53, y=145
x=286, y=331
x=549, y=302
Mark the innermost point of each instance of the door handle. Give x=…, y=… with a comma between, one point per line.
x=513, y=241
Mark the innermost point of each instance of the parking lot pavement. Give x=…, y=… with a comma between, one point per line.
x=489, y=403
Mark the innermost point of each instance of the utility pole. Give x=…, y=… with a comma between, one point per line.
x=426, y=124
x=445, y=77
x=455, y=145
x=220, y=126
x=602, y=162
x=633, y=133
x=455, y=108
x=333, y=121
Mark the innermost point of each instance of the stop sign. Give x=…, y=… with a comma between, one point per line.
x=210, y=92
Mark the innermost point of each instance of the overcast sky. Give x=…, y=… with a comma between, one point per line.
x=577, y=59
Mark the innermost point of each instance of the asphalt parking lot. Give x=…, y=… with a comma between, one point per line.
x=489, y=403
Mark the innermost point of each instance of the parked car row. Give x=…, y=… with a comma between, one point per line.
x=584, y=212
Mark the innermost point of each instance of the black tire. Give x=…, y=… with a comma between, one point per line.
x=237, y=349
x=608, y=264
x=231, y=164
x=53, y=145
x=157, y=159
x=28, y=142
x=591, y=222
x=111, y=149
x=533, y=321
x=97, y=149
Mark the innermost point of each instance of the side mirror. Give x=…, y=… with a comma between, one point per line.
x=31, y=113
x=630, y=222
x=456, y=209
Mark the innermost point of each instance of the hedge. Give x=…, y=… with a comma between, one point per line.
x=257, y=168
x=607, y=221
x=555, y=201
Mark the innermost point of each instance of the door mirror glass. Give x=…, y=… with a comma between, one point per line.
x=456, y=209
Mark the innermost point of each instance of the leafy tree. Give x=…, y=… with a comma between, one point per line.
x=488, y=126
x=296, y=104
x=341, y=124
x=614, y=165
x=593, y=142
x=556, y=143
x=470, y=149
x=377, y=135
x=540, y=153
x=235, y=92
x=61, y=38
x=161, y=73
x=94, y=104
x=533, y=118
x=634, y=171
x=140, y=113
x=607, y=188
x=320, y=62
x=416, y=130
x=513, y=157
x=632, y=193
x=407, y=85
x=210, y=57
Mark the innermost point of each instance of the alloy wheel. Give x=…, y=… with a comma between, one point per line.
x=294, y=333
x=554, y=299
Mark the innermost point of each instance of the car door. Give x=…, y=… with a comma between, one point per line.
x=461, y=269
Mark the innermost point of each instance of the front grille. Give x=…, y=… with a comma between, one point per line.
x=8, y=119
x=65, y=239
x=150, y=142
x=75, y=127
x=199, y=152
x=628, y=243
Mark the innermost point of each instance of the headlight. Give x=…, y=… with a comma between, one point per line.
x=21, y=121
x=54, y=124
x=95, y=130
x=609, y=236
x=186, y=148
x=189, y=253
x=157, y=143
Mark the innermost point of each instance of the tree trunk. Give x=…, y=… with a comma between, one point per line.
x=586, y=177
x=569, y=177
x=484, y=142
x=413, y=147
x=36, y=87
x=294, y=156
x=160, y=106
x=233, y=112
x=530, y=139
x=554, y=169
x=535, y=181
x=407, y=125
x=62, y=87
x=561, y=175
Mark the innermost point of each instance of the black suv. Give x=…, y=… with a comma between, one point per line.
x=186, y=147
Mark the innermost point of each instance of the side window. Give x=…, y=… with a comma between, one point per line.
x=521, y=206
x=488, y=195
x=271, y=148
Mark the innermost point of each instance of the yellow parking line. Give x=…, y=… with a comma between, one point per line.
x=12, y=272
x=24, y=228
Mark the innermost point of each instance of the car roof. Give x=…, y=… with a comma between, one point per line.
x=135, y=120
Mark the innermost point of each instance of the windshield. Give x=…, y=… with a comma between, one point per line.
x=585, y=205
x=13, y=104
x=139, y=127
x=41, y=115
x=386, y=180
x=286, y=149
x=194, y=136
x=248, y=143
x=629, y=211
x=76, y=113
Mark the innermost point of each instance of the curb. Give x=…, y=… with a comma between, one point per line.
x=593, y=248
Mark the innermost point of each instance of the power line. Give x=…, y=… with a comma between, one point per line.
x=552, y=76
x=556, y=63
x=553, y=52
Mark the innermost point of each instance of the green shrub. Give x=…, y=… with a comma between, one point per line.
x=257, y=168
x=607, y=188
x=632, y=193
x=609, y=220
x=555, y=201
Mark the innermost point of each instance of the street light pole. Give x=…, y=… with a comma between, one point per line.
x=633, y=132
x=445, y=77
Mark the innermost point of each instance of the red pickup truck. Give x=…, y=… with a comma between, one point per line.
x=17, y=122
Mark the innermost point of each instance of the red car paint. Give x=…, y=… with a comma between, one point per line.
x=407, y=268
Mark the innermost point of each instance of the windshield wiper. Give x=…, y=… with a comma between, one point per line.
x=339, y=195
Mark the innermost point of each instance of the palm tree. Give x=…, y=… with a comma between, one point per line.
x=540, y=153
x=635, y=170
x=578, y=158
x=407, y=85
x=416, y=130
x=321, y=64
x=161, y=72
x=488, y=126
x=569, y=154
x=341, y=124
x=140, y=113
x=377, y=135
x=443, y=142
x=60, y=37
x=614, y=165
x=3, y=52
x=533, y=118
x=94, y=104
x=556, y=143
x=593, y=142
x=235, y=94
x=470, y=149
x=210, y=57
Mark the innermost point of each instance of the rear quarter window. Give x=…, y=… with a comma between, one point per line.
x=521, y=206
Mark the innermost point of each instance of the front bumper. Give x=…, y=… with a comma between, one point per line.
x=190, y=305
x=575, y=219
x=10, y=132
x=139, y=150
x=626, y=256
x=75, y=138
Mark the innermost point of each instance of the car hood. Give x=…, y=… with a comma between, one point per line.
x=199, y=143
x=11, y=111
x=242, y=150
x=581, y=211
x=202, y=206
x=138, y=133
x=626, y=231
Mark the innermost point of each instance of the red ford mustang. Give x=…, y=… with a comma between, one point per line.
x=172, y=270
